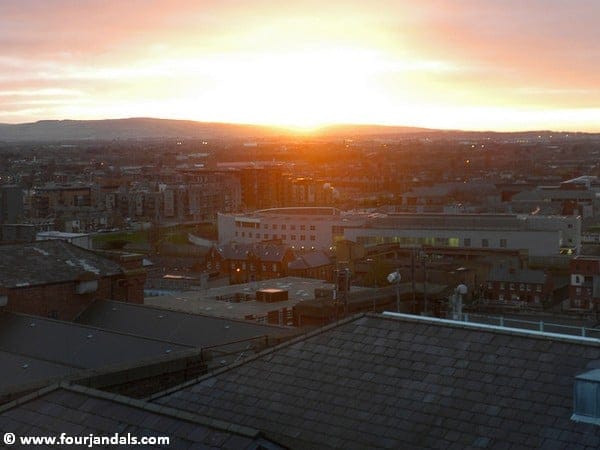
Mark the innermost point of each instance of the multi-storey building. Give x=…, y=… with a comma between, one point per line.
x=584, y=288
x=538, y=235
x=518, y=286
x=301, y=228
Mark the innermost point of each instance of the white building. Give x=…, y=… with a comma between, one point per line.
x=320, y=227
x=538, y=235
x=302, y=227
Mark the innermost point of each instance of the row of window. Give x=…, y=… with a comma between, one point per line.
x=243, y=265
x=283, y=237
x=513, y=286
x=516, y=298
x=274, y=226
x=438, y=241
x=485, y=243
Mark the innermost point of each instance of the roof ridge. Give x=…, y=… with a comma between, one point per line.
x=163, y=410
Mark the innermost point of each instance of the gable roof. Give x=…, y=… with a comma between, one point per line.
x=310, y=260
x=516, y=275
x=79, y=411
x=399, y=381
x=51, y=261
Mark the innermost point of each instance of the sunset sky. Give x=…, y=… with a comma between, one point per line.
x=469, y=64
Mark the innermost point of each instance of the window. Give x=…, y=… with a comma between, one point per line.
x=292, y=227
x=283, y=226
x=274, y=267
x=485, y=243
x=312, y=238
x=249, y=234
x=293, y=237
x=512, y=286
x=243, y=234
x=265, y=236
x=236, y=234
x=274, y=236
x=467, y=242
x=274, y=226
x=302, y=237
x=502, y=286
x=283, y=237
x=503, y=243
x=490, y=285
x=538, y=288
x=312, y=228
x=266, y=227
x=302, y=227
x=521, y=287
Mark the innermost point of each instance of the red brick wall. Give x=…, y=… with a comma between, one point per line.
x=61, y=301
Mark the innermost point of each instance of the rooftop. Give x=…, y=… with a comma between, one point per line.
x=173, y=326
x=33, y=349
x=52, y=261
x=399, y=381
x=79, y=411
x=206, y=301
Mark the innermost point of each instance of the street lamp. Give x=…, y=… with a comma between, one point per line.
x=395, y=277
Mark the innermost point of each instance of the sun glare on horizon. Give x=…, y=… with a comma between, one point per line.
x=481, y=66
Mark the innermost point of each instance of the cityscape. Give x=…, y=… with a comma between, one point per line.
x=262, y=228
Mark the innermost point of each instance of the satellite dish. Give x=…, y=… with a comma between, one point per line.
x=393, y=277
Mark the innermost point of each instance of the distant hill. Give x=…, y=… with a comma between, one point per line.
x=140, y=128
x=134, y=128
x=148, y=128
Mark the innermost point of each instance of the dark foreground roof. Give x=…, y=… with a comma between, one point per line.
x=33, y=349
x=405, y=382
x=52, y=261
x=174, y=326
x=79, y=411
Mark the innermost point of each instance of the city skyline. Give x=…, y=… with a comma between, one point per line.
x=503, y=66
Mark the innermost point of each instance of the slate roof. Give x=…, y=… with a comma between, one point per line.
x=516, y=275
x=51, y=261
x=51, y=348
x=310, y=260
x=79, y=411
x=399, y=381
x=173, y=326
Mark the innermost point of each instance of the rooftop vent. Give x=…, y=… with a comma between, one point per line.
x=586, y=397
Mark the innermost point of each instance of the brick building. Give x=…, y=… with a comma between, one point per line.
x=315, y=264
x=60, y=280
x=515, y=286
x=584, y=288
x=244, y=263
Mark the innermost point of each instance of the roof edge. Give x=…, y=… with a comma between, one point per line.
x=490, y=328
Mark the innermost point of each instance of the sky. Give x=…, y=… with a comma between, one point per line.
x=501, y=65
